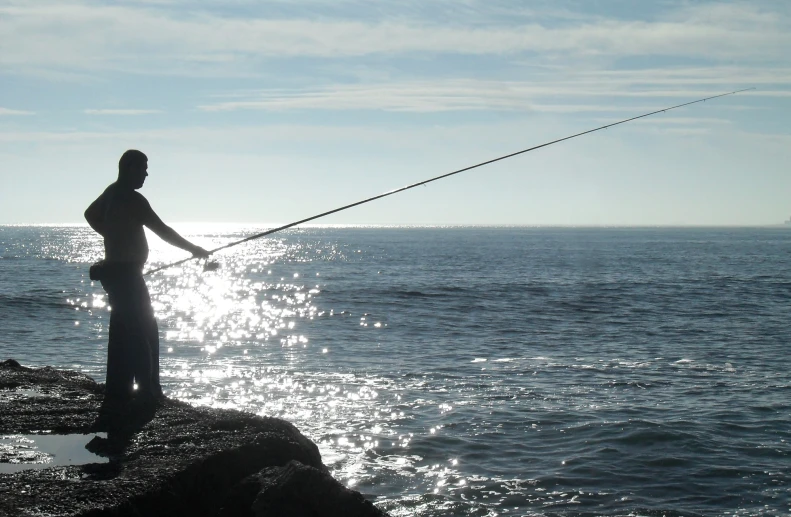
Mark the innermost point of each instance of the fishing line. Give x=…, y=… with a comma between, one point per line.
x=424, y=182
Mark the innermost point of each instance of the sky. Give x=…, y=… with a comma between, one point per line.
x=268, y=112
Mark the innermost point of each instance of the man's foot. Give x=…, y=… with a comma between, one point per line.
x=147, y=399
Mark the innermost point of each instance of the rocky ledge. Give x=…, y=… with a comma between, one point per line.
x=166, y=459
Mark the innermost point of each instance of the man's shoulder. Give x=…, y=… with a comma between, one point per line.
x=141, y=205
x=109, y=191
x=127, y=195
x=116, y=195
x=137, y=196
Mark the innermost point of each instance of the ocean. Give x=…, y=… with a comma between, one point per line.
x=476, y=371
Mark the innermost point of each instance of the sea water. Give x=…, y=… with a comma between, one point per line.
x=466, y=371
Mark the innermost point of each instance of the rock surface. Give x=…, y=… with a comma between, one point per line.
x=163, y=459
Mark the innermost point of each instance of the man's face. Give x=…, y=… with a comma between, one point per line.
x=139, y=174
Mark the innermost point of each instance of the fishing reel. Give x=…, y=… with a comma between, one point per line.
x=211, y=265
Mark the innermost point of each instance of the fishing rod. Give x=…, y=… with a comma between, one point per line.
x=424, y=182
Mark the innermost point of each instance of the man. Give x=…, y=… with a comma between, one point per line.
x=119, y=216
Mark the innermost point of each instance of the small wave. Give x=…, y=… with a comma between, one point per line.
x=419, y=294
x=31, y=301
x=655, y=435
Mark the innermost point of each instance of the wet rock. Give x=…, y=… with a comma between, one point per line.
x=157, y=459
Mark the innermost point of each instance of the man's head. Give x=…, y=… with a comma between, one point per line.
x=133, y=168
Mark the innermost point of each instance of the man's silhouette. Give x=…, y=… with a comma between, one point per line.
x=119, y=215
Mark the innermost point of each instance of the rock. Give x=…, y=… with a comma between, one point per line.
x=156, y=459
x=296, y=490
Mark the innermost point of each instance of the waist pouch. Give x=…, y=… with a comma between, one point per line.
x=97, y=270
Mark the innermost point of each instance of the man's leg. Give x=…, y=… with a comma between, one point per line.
x=147, y=342
x=152, y=337
x=118, y=383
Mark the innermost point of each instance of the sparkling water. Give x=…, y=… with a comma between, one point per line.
x=466, y=371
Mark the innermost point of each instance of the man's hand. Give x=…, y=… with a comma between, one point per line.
x=199, y=252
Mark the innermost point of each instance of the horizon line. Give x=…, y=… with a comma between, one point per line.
x=435, y=225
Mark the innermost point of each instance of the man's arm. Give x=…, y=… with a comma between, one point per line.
x=166, y=233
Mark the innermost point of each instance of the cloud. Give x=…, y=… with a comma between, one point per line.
x=285, y=138
x=120, y=112
x=10, y=112
x=577, y=93
x=144, y=39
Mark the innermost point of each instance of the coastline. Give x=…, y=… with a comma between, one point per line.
x=164, y=459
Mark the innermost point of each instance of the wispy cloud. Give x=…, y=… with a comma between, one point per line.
x=98, y=36
x=577, y=93
x=121, y=112
x=11, y=112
